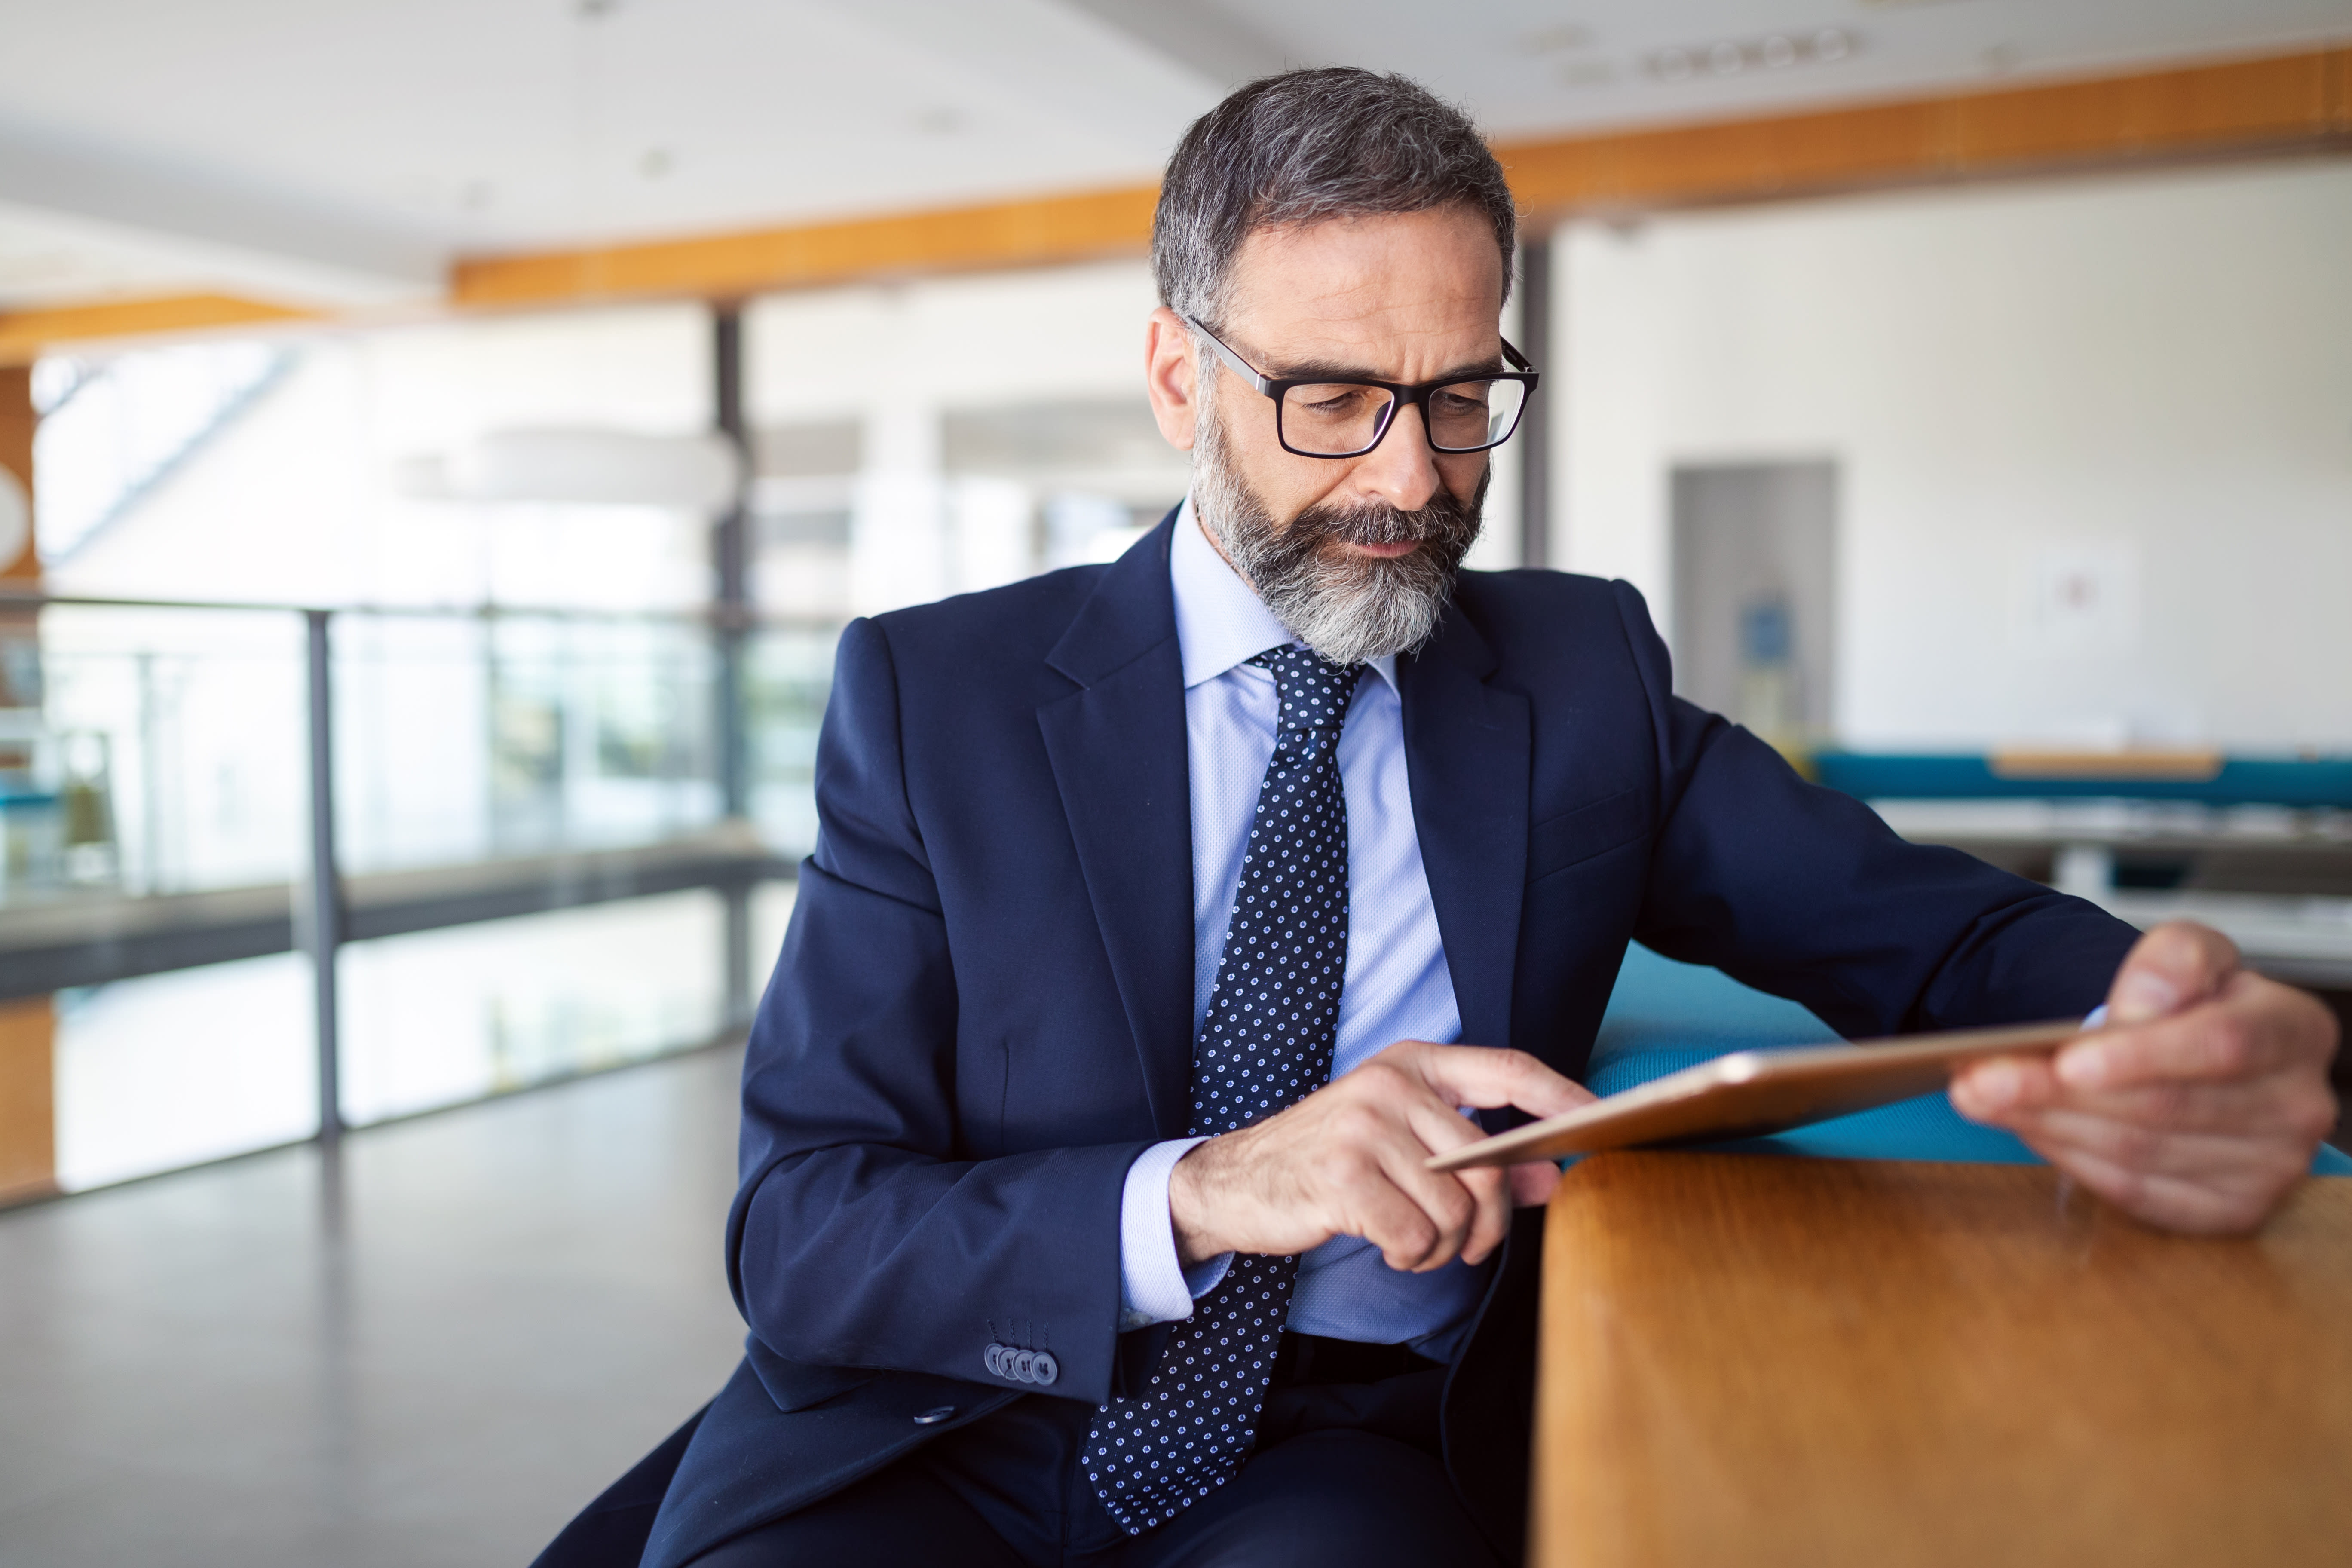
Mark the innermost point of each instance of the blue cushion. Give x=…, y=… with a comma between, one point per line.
x=1664, y=1016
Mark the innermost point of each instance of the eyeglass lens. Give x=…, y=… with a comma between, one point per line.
x=1342, y=419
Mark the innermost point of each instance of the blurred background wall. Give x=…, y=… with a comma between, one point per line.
x=2132, y=389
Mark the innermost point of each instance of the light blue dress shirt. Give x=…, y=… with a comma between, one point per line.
x=1397, y=986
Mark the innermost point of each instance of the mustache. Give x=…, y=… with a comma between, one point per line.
x=1442, y=522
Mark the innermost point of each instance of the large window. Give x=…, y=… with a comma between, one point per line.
x=536, y=874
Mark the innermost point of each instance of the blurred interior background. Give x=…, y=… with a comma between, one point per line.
x=440, y=442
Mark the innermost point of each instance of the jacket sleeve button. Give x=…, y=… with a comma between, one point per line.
x=994, y=1361
x=1045, y=1369
x=933, y=1416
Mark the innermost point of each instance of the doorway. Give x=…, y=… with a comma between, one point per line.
x=1755, y=611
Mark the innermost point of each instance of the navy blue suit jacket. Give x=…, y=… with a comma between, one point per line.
x=983, y=1009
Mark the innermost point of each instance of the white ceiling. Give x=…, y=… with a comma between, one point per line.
x=343, y=149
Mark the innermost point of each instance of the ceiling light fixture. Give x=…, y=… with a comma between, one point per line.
x=1730, y=57
x=578, y=467
x=1550, y=40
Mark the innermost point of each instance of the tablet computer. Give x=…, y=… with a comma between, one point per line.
x=1749, y=1093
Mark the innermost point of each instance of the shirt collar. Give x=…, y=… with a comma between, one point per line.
x=1220, y=620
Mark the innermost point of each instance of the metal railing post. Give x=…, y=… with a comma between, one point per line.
x=323, y=912
x=732, y=595
x=1535, y=431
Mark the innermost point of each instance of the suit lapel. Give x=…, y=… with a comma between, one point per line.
x=1116, y=746
x=1467, y=751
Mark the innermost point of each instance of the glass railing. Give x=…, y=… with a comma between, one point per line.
x=531, y=870
x=161, y=751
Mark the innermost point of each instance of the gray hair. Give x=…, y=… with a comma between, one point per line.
x=1306, y=146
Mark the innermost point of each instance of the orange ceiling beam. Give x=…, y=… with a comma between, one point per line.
x=2227, y=108
x=1005, y=234
x=2290, y=103
x=24, y=335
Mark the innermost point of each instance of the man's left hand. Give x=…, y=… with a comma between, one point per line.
x=2197, y=1108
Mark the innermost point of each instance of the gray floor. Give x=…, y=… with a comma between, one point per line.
x=430, y=1351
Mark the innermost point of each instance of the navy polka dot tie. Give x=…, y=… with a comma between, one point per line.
x=1265, y=1043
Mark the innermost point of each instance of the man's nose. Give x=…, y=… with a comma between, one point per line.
x=1401, y=470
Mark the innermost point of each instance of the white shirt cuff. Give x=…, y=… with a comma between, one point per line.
x=1154, y=1286
x=2096, y=1018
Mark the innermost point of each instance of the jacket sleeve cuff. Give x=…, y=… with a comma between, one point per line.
x=1154, y=1286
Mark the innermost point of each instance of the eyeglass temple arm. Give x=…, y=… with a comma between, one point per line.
x=1241, y=366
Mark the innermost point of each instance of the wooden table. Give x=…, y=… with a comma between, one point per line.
x=1752, y=1360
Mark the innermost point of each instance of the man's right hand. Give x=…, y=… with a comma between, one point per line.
x=1351, y=1160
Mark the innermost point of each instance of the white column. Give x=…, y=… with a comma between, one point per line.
x=993, y=521
x=1498, y=549
x=899, y=541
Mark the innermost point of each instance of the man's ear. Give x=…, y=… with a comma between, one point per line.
x=1170, y=378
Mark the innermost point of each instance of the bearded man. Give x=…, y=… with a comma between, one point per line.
x=1084, y=1216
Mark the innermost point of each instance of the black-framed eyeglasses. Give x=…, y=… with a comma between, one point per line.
x=1329, y=417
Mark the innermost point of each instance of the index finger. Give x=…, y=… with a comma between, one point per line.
x=1484, y=1077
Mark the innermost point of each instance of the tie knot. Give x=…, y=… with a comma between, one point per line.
x=1312, y=693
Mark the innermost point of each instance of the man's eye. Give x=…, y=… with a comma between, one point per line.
x=1331, y=400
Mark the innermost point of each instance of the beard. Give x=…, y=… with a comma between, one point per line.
x=1348, y=608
